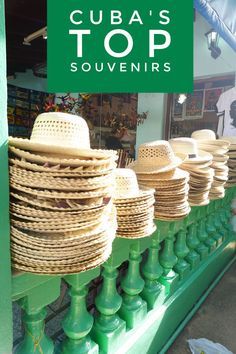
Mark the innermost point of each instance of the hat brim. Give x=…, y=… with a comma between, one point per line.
x=224, y=144
x=144, y=193
x=150, y=169
x=203, y=157
x=26, y=144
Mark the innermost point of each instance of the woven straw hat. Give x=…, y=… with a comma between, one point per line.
x=207, y=136
x=127, y=185
x=156, y=156
x=189, y=146
x=53, y=159
x=60, y=133
x=58, y=171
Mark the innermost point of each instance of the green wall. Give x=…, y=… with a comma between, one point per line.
x=5, y=275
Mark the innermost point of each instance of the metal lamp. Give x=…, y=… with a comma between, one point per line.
x=213, y=41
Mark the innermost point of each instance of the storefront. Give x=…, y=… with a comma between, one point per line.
x=122, y=268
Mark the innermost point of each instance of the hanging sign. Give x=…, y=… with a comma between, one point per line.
x=120, y=46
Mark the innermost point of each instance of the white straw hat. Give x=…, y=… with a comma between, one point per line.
x=189, y=147
x=156, y=156
x=207, y=136
x=127, y=185
x=60, y=133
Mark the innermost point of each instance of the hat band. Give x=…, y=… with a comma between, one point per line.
x=192, y=156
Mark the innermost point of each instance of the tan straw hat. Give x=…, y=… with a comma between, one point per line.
x=156, y=156
x=208, y=137
x=189, y=147
x=126, y=185
x=60, y=133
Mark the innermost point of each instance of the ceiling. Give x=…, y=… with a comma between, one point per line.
x=22, y=18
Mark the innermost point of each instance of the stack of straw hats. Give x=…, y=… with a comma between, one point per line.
x=134, y=206
x=156, y=167
x=207, y=141
x=62, y=218
x=197, y=164
x=231, y=161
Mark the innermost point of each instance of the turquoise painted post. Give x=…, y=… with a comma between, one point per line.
x=193, y=257
x=5, y=264
x=78, y=321
x=35, y=340
x=168, y=260
x=218, y=225
x=153, y=292
x=181, y=251
x=201, y=234
x=108, y=328
x=221, y=216
x=133, y=308
x=211, y=230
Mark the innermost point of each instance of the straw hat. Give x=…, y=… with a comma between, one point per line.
x=134, y=205
x=208, y=137
x=62, y=171
x=189, y=146
x=55, y=159
x=154, y=157
x=60, y=133
x=127, y=186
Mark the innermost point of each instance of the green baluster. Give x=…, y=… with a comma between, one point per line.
x=211, y=230
x=78, y=321
x=181, y=251
x=219, y=210
x=193, y=257
x=168, y=260
x=228, y=213
x=108, y=327
x=223, y=221
x=202, y=235
x=133, y=308
x=35, y=341
x=153, y=292
x=219, y=230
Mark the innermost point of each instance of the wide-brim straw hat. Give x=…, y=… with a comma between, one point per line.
x=189, y=147
x=55, y=159
x=62, y=134
x=176, y=175
x=127, y=188
x=62, y=171
x=42, y=180
x=59, y=204
x=133, y=233
x=154, y=157
x=55, y=194
x=208, y=137
x=62, y=252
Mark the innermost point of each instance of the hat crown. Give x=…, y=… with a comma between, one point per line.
x=156, y=153
x=126, y=183
x=57, y=128
x=204, y=134
x=184, y=146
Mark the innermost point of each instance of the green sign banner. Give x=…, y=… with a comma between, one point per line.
x=120, y=46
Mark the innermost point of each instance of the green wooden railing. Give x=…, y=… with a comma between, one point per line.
x=166, y=275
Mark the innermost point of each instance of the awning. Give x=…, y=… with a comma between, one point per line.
x=221, y=14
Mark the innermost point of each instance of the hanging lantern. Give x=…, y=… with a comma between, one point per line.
x=213, y=43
